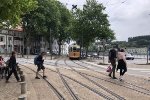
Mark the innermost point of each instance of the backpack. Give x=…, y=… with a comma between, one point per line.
x=7, y=62
x=112, y=54
x=35, y=60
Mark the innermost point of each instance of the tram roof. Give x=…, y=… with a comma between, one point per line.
x=74, y=45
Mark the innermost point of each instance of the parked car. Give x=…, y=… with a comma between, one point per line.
x=129, y=56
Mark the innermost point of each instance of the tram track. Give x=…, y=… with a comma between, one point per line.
x=128, y=85
x=124, y=81
x=131, y=87
x=100, y=86
x=84, y=85
x=74, y=96
x=59, y=95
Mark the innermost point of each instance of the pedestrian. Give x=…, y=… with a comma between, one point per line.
x=12, y=64
x=122, y=64
x=2, y=66
x=40, y=65
x=112, y=59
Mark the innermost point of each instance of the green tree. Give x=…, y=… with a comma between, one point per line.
x=12, y=10
x=43, y=19
x=65, y=22
x=91, y=23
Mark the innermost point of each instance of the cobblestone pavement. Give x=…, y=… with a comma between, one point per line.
x=37, y=89
x=9, y=91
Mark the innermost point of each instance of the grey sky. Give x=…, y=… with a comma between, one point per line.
x=128, y=18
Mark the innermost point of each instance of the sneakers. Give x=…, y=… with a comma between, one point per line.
x=120, y=78
x=37, y=77
x=18, y=80
x=109, y=75
x=44, y=76
x=7, y=81
x=114, y=78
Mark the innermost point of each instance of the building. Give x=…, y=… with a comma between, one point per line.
x=11, y=40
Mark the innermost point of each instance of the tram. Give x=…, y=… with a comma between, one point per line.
x=74, y=51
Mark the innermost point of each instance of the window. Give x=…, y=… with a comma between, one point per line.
x=1, y=38
x=9, y=38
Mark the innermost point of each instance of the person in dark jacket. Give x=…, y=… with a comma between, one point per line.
x=40, y=66
x=112, y=60
x=12, y=65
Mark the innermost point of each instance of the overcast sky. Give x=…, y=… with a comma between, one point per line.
x=128, y=18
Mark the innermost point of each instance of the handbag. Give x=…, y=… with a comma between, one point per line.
x=109, y=69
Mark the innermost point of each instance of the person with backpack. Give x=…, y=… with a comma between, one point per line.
x=112, y=59
x=38, y=60
x=12, y=64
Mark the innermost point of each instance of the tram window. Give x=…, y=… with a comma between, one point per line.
x=76, y=49
x=70, y=49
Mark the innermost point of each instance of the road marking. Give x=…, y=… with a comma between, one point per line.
x=145, y=71
x=138, y=69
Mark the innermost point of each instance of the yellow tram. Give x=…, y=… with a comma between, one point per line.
x=74, y=51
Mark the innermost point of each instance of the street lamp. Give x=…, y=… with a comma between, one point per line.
x=50, y=39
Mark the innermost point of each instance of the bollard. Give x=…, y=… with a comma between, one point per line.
x=22, y=77
x=23, y=87
x=22, y=97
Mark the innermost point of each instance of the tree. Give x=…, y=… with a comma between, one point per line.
x=91, y=23
x=40, y=21
x=12, y=10
x=65, y=20
x=50, y=19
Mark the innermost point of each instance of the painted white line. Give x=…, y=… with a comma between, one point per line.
x=145, y=71
x=139, y=69
x=138, y=75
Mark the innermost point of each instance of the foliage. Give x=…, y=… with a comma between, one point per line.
x=51, y=15
x=91, y=23
x=139, y=41
x=63, y=28
x=43, y=18
x=12, y=10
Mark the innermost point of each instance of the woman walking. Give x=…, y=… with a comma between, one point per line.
x=122, y=64
x=12, y=65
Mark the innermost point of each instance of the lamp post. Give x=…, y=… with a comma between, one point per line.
x=103, y=43
x=148, y=53
x=50, y=40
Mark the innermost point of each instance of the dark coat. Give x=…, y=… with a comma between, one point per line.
x=12, y=62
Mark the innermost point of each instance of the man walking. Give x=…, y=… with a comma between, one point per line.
x=12, y=64
x=39, y=63
x=112, y=60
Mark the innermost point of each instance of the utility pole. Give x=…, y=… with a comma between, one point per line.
x=50, y=40
x=148, y=52
x=6, y=44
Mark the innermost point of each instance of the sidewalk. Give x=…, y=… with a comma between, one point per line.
x=10, y=91
x=37, y=89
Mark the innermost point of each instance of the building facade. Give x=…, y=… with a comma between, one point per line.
x=11, y=40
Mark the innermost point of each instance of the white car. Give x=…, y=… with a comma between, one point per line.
x=129, y=56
